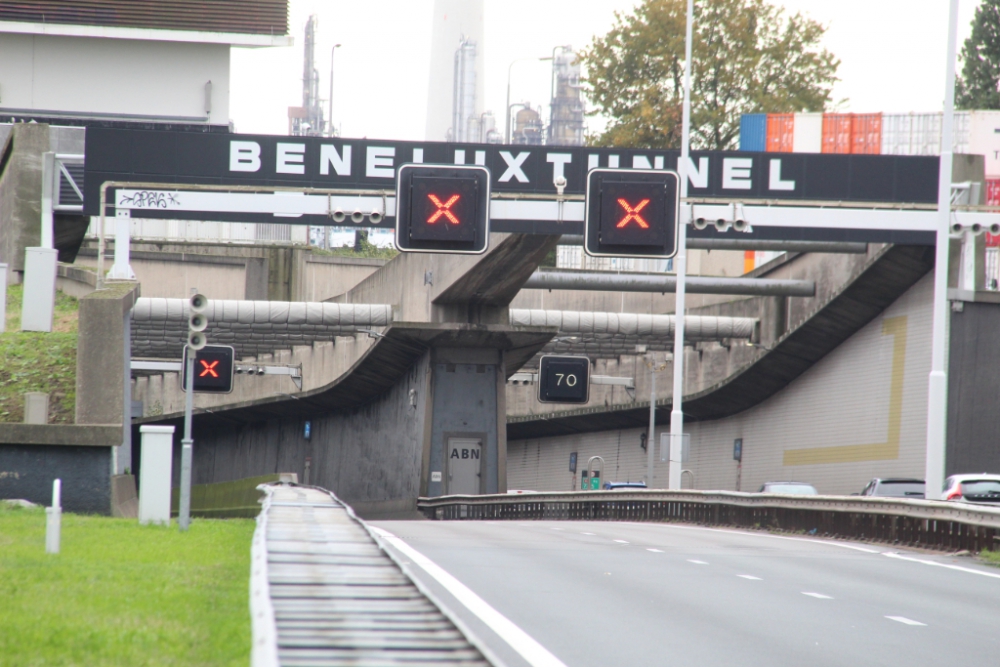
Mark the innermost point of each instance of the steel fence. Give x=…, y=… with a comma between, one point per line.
x=914, y=523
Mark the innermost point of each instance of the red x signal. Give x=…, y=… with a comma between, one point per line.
x=208, y=369
x=443, y=209
x=633, y=214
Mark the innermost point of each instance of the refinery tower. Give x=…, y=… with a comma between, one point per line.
x=455, y=89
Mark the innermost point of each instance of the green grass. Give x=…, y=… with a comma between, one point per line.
x=123, y=594
x=39, y=361
x=990, y=557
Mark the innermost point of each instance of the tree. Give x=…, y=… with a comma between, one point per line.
x=977, y=87
x=747, y=58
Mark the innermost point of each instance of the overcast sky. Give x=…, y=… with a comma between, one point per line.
x=892, y=56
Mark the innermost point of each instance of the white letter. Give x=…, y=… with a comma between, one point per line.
x=736, y=173
x=289, y=159
x=698, y=178
x=481, y=158
x=613, y=161
x=244, y=156
x=418, y=156
x=379, y=162
x=593, y=162
x=658, y=162
x=559, y=162
x=341, y=164
x=459, y=157
x=775, y=182
x=641, y=162
x=514, y=166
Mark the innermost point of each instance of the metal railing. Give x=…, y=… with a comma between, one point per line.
x=914, y=523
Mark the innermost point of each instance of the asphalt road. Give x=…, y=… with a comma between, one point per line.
x=601, y=593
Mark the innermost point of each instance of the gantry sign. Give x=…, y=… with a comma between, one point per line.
x=362, y=172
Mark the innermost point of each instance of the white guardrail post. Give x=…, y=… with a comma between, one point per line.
x=53, y=519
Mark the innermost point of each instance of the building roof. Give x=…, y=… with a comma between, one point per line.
x=260, y=22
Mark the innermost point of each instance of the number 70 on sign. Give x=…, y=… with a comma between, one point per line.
x=563, y=379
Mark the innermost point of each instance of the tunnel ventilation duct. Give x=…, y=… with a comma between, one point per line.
x=267, y=312
x=636, y=325
x=664, y=283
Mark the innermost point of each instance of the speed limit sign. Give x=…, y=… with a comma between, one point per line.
x=563, y=379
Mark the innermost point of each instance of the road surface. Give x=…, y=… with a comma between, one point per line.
x=605, y=593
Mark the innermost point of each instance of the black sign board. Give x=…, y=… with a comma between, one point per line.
x=563, y=379
x=738, y=449
x=213, y=369
x=632, y=213
x=442, y=209
x=181, y=157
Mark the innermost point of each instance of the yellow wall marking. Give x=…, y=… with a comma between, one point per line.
x=896, y=327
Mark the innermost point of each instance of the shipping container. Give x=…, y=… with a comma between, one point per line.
x=808, y=133
x=780, y=132
x=753, y=132
x=984, y=139
x=992, y=191
x=836, y=133
x=866, y=133
x=920, y=133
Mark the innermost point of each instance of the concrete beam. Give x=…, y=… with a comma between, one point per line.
x=841, y=247
x=564, y=279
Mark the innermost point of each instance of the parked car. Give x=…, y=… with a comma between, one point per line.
x=794, y=488
x=618, y=486
x=894, y=488
x=983, y=489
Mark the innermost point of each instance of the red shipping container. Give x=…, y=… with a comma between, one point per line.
x=837, y=133
x=866, y=133
x=780, y=132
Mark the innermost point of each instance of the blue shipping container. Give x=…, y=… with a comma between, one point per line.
x=753, y=132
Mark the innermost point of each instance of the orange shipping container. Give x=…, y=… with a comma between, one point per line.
x=866, y=133
x=780, y=132
x=837, y=132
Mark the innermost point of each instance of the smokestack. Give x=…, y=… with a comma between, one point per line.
x=453, y=22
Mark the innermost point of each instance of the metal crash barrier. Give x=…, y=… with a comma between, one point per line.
x=914, y=523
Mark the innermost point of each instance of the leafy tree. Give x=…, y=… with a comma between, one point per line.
x=977, y=87
x=748, y=58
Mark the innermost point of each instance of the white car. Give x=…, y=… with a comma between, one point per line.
x=982, y=489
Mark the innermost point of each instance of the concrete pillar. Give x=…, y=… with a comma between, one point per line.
x=156, y=473
x=21, y=193
x=3, y=298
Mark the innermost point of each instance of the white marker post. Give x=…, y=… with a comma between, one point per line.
x=680, y=264
x=53, y=519
x=937, y=385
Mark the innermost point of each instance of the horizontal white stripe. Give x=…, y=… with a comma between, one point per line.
x=907, y=621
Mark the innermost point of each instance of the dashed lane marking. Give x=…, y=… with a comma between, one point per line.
x=655, y=551
x=697, y=562
x=749, y=576
x=621, y=541
x=905, y=621
x=819, y=596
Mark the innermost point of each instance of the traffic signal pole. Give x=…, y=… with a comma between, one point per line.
x=680, y=265
x=184, y=513
x=937, y=386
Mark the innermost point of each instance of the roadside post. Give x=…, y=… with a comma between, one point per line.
x=156, y=473
x=197, y=323
x=53, y=519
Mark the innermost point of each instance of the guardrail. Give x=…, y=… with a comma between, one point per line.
x=917, y=523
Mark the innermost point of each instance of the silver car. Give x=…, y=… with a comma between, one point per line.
x=982, y=489
x=792, y=488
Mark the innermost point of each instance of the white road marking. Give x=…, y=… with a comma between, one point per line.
x=697, y=562
x=655, y=551
x=749, y=576
x=950, y=567
x=588, y=533
x=533, y=653
x=906, y=621
x=817, y=595
x=621, y=541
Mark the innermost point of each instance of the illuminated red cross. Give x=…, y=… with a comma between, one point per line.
x=633, y=214
x=208, y=369
x=443, y=209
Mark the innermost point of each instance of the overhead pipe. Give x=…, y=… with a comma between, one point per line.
x=663, y=283
x=839, y=247
x=219, y=311
x=635, y=325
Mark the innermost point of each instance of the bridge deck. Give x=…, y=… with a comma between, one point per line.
x=338, y=599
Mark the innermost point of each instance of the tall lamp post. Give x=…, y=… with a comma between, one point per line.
x=519, y=60
x=680, y=263
x=333, y=52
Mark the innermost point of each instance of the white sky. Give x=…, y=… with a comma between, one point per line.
x=892, y=56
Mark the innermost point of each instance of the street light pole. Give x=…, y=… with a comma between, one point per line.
x=680, y=264
x=333, y=52
x=937, y=384
x=511, y=65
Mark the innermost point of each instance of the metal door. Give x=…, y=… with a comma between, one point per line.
x=464, y=466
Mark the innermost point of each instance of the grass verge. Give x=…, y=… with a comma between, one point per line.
x=990, y=557
x=39, y=361
x=123, y=594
